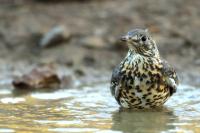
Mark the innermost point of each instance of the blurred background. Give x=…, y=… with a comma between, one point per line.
x=78, y=40
x=86, y=32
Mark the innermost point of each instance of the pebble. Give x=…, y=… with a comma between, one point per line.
x=38, y=78
x=88, y=61
x=55, y=36
x=93, y=42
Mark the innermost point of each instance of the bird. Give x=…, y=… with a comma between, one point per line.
x=143, y=79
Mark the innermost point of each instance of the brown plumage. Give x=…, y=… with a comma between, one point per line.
x=142, y=79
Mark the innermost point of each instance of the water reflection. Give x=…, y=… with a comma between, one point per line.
x=143, y=121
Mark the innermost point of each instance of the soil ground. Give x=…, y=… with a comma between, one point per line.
x=94, y=29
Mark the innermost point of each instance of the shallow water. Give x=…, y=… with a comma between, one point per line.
x=92, y=109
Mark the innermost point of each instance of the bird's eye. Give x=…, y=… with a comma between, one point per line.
x=144, y=38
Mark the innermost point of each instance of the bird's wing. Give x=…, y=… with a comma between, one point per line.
x=170, y=76
x=115, y=87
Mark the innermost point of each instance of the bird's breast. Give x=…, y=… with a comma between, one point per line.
x=142, y=84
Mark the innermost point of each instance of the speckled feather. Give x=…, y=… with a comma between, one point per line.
x=143, y=81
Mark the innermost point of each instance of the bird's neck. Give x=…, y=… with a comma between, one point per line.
x=146, y=52
x=133, y=58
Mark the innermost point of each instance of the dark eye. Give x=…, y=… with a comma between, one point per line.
x=144, y=38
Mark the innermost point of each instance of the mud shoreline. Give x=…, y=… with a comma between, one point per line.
x=94, y=29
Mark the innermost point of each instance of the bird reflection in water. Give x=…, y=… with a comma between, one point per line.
x=146, y=121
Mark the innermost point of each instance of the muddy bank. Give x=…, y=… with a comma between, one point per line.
x=94, y=28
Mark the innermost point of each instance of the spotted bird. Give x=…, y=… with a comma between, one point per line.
x=142, y=80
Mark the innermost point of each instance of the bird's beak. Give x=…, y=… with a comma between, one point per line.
x=124, y=38
x=127, y=38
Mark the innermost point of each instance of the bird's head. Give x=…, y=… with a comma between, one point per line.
x=140, y=42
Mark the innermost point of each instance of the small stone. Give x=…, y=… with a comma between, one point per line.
x=69, y=63
x=38, y=78
x=55, y=36
x=66, y=62
x=154, y=29
x=93, y=42
x=79, y=72
x=88, y=61
x=67, y=81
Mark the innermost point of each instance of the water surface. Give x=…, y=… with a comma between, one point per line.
x=92, y=109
